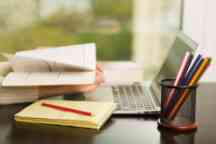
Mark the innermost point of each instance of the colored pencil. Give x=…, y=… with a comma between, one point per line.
x=180, y=75
x=192, y=70
x=65, y=109
x=193, y=81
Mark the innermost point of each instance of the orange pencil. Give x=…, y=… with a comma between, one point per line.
x=193, y=81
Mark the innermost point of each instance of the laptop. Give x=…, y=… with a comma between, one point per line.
x=143, y=97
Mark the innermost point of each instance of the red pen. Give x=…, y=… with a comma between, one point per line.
x=64, y=109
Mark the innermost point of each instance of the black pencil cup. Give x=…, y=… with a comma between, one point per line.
x=178, y=106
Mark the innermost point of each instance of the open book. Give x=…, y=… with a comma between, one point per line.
x=65, y=58
x=68, y=65
x=37, y=113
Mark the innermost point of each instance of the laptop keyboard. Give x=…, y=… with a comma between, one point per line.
x=132, y=97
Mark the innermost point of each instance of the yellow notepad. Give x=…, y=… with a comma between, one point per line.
x=36, y=113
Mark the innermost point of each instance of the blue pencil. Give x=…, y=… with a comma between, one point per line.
x=192, y=70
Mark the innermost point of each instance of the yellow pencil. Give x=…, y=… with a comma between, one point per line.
x=193, y=81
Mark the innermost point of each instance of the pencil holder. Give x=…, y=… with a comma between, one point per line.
x=178, y=106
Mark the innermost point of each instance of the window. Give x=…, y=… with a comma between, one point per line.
x=37, y=23
x=122, y=29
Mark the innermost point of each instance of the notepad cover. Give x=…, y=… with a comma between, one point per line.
x=36, y=113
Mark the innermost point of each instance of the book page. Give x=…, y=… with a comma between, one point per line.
x=20, y=64
x=82, y=57
x=48, y=78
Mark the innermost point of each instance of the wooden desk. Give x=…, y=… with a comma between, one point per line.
x=117, y=130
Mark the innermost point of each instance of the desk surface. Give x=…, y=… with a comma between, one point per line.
x=117, y=130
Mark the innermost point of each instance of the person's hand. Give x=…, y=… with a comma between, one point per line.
x=91, y=87
x=59, y=90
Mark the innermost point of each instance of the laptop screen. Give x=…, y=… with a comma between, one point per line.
x=181, y=44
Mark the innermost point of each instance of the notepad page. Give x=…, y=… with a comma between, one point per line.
x=48, y=78
x=36, y=113
x=76, y=56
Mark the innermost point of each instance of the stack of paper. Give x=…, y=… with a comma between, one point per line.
x=11, y=95
x=37, y=113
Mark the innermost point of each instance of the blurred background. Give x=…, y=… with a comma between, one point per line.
x=138, y=30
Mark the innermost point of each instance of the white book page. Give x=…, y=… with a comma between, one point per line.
x=48, y=78
x=56, y=58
